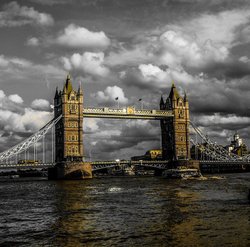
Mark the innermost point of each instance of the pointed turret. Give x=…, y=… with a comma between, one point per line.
x=162, y=105
x=174, y=95
x=68, y=85
x=80, y=92
x=185, y=97
x=56, y=94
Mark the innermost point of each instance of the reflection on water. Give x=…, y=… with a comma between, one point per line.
x=126, y=211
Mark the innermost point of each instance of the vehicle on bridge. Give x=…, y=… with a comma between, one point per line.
x=22, y=162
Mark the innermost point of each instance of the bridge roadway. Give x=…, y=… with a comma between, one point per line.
x=126, y=113
x=96, y=165
x=157, y=164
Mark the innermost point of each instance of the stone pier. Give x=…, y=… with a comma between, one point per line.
x=70, y=170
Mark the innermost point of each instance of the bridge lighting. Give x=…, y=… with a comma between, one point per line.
x=117, y=99
x=140, y=100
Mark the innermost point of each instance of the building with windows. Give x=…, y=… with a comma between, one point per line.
x=68, y=131
x=175, y=130
x=237, y=146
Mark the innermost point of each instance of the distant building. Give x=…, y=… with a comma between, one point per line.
x=153, y=154
x=237, y=146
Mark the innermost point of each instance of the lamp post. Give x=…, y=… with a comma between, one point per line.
x=117, y=98
x=140, y=100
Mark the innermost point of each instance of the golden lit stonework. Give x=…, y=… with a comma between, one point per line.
x=130, y=110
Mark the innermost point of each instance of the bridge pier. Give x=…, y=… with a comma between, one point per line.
x=185, y=163
x=70, y=170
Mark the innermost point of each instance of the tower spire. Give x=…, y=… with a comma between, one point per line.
x=162, y=103
x=56, y=94
x=80, y=91
x=185, y=97
x=68, y=85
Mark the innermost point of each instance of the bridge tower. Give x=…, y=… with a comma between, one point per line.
x=69, y=155
x=175, y=130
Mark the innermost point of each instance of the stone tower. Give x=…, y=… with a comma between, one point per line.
x=68, y=132
x=69, y=155
x=175, y=130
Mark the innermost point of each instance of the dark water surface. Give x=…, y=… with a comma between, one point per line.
x=126, y=211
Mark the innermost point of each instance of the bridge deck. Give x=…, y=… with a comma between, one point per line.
x=127, y=113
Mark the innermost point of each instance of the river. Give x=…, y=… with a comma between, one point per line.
x=126, y=211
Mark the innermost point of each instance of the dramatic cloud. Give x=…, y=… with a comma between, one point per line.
x=41, y=104
x=7, y=62
x=230, y=121
x=14, y=15
x=109, y=95
x=16, y=98
x=17, y=118
x=152, y=77
x=89, y=63
x=135, y=135
x=130, y=51
x=15, y=68
x=80, y=37
x=33, y=41
x=223, y=28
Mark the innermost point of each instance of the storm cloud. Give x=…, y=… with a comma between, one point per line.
x=127, y=50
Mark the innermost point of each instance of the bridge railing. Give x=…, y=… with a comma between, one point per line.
x=126, y=112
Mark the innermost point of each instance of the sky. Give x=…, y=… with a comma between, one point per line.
x=131, y=49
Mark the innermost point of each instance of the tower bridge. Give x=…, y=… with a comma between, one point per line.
x=67, y=150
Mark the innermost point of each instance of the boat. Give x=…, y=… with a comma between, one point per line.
x=183, y=173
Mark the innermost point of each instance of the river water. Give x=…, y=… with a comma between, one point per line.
x=126, y=211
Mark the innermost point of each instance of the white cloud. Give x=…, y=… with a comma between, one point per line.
x=109, y=94
x=90, y=125
x=173, y=48
x=222, y=28
x=244, y=59
x=89, y=62
x=16, y=118
x=33, y=41
x=16, y=98
x=179, y=49
x=218, y=119
x=154, y=77
x=7, y=62
x=29, y=121
x=15, y=15
x=80, y=37
x=40, y=104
